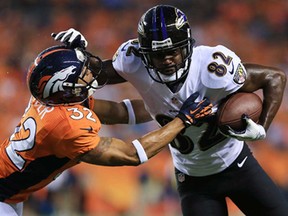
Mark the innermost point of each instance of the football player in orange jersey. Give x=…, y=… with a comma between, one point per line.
x=59, y=129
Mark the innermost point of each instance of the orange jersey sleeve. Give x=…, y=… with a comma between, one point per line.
x=77, y=132
x=45, y=143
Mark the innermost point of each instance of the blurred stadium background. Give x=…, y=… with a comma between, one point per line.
x=256, y=30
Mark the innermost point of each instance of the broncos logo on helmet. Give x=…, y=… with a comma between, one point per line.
x=57, y=76
x=55, y=83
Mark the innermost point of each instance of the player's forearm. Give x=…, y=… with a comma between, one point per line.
x=131, y=112
x=110, y=112
x=113, y=76
x=273, y=95
x=155, y=141
x=115, y=152
x=141, y=114
x=272, y=81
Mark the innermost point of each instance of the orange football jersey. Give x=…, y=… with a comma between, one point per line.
x=45, y=143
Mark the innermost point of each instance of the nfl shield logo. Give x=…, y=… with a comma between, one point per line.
x=181, y=177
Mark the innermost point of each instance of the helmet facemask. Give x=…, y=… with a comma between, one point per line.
x=93, y=65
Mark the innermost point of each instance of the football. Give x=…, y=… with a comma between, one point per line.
x=232, y=108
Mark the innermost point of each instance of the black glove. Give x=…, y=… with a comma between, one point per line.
x=193, y=113
x=71, y=38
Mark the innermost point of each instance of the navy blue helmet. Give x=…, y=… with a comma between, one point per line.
x=56, y=77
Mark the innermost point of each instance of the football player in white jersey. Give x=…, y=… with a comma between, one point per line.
x=166, y=68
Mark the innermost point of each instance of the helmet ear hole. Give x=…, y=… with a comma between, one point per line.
x=164, y=28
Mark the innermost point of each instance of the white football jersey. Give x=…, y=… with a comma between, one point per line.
x=214, y=72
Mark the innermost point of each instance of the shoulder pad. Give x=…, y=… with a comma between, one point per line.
x=219, y=67
x=127, y=49
x=126, y=59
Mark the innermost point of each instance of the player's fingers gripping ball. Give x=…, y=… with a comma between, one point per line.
x=252, y=132
x=192, y=113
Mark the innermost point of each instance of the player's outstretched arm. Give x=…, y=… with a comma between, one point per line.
x=115, y=152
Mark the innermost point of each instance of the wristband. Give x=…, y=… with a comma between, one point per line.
x=140, y=151
x=131, y=114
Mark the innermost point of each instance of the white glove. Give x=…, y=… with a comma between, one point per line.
x=253, y=131
x=71, y=37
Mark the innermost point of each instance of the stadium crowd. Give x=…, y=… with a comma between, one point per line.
x=256, y=30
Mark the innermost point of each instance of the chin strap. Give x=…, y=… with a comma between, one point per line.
x=176, y=76
x=92, y=88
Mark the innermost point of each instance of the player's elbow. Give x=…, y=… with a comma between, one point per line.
x=126, y=160
x=283, y=77
x=278, y=78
